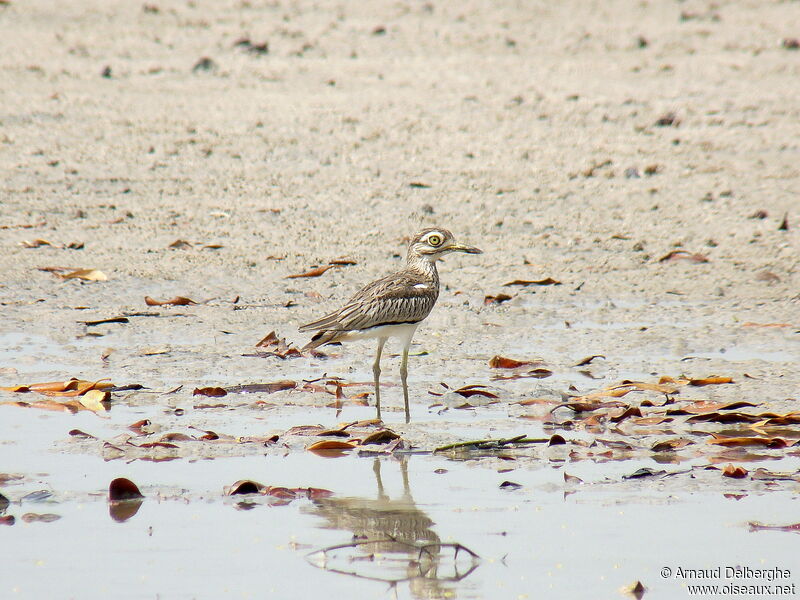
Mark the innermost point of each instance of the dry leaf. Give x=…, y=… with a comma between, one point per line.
x=635, y=590
x=525, y=282
x=37, y=243
x=331, y=445
x=706, y=407
x=587, y=360
x=176, y=301
x=86, y=275
x=95, y=400
x=713, y=380
x=312, y=273
x=121, y=489
x=498, y=299
x=755, y=526
x=501, y=362
x=380, y=437
x=670, y=445
x=734, y=472
x=748, y=441
x=245, y=486
x=631, y=411
x=212, y=392
x=474, y=390
x=683, y=255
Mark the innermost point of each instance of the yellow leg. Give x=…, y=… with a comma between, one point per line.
x=404, y=380
x=376, y=373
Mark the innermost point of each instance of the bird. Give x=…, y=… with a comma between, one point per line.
x=392, y=306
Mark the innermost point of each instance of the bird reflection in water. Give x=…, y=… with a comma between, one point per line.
x=393, y=541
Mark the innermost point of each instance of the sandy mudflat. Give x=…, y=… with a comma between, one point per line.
x=531, y=130
x=645, y=155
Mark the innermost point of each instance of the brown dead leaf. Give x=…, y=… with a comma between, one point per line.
x=765, y=475
x=792, y=418
x=211, y=392
x=734, y=472
x=718, y=417
x=713, y=380
x=498, y=299
x=474, y=390
x=683, y=255
x=772, y=325
x=631, y=411
x=16, y=388
x=156, y=445
x=380, y=437
x=176, y=301
x=271, y=339
x=85, y=275
x=527, y=282
x=334, y=445
x=793, y=528
x=748, y=441
x=70, y=387
x=501, y=362
x=579, y=406
x=670, y=445
x=635, y=590
x=75, y=387
x=657, y=420
x=587, y=360
x=139, y=426
x=312, y=273
x=536, y=401
x=244, y=486
x=280, y=348
x=37, y=243
x=121, y=489
x=81, y=434
x=175, y=436
x=702, y=407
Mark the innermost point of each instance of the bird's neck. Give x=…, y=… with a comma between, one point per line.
x=424, y=266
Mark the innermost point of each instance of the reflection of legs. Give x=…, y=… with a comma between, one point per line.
x=376, y=469
x=404, y=378
x=404, y=474
x=376, y=373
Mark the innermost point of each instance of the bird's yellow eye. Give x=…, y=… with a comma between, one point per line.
x=435, y=240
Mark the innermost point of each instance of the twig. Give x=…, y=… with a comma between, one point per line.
x=520, y=440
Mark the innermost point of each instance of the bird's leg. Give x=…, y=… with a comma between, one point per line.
x=404, y=379
x=376, y=373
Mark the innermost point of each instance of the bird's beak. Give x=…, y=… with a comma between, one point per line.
x=465, y=249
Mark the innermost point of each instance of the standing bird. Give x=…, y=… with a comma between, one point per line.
x=392, y=306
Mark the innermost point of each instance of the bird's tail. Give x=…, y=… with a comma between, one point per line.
x=320, y=338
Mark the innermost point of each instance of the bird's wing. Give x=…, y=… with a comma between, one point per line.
x=397, y=298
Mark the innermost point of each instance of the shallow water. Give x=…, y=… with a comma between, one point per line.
x=187, y=541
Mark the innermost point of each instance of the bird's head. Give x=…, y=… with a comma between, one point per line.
x=433, y=243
